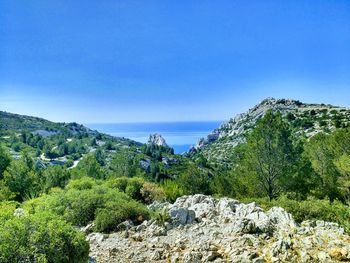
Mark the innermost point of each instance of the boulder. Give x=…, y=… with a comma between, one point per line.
x=202, y=205
x=281, y=218
x=181, y=215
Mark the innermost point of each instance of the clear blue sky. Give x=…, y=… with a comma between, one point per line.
x=127, y=61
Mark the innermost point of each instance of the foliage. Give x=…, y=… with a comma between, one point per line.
x=194, y=181
x=270, y=153
x=84, y=201
x=41, y=238
x=151, y=192
x=90, y=167
x=55, y=176
x=108, y=218
x=122, y=164
x=161, y=216
x=172, y=189
x=310, y=209
x=5, y=160
x=21, y=179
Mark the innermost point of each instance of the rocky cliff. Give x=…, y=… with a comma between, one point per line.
x=305, y=119
x=200, y=228
x=157, y=139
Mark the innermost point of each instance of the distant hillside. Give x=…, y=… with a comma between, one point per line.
x=53, y=142
x=306, y=120
x=17, y=122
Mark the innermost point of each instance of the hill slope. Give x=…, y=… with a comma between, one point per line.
x=52, y=142
x=306, y=120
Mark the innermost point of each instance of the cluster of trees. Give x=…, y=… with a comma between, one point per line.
x=274, y=162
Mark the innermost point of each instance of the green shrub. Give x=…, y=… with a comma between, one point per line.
x=131, y=186
x=172, y=190
x=310, y=209
x=82, y=183
x=161, y=216
x=81, y=205
x=55, y=176
x=119, y=183
x=7, y=209
x=151, y=192
x=133, y=189
x=108, y=219
x=41, y=238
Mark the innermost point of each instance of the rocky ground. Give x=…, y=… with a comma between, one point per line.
x=200, y=228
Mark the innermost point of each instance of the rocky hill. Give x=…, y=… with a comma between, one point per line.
x=200, y=228
x=306, y=120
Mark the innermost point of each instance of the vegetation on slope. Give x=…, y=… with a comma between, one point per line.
x=308, y=176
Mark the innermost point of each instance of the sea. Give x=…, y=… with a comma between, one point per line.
x=179, y=135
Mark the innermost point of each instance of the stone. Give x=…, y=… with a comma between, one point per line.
x=126, y=225
x=19, y=212
x=145, y=164
x=96, y=238
x=212, y=255
x=88, y=228
x=192, y=257
x=322, y=256
x=340, y=254
x=245, y=226
x=137, y=237
x=181, y=215
x=281, y=218
x=224, y=231
x=157, y=255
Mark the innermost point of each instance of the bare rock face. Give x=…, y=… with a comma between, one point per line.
x=204, y=229
x=157, y=139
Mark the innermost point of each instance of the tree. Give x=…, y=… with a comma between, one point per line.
x=322, y=160
x=100, y=157
x=270, y=153
x=90, y=167
x=122, y=164
x=55, y=176
x=194, y=181
x=4, y=161
x=21, y=179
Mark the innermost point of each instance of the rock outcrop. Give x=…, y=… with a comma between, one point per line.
x=157, y=139
x=203, y=229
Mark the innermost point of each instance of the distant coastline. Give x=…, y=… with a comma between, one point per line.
x=179, y=135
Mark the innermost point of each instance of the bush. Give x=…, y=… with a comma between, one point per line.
x=55, y=176
x=41, y=238
x=119, y=183
x=82, y=205
x=81, y=184
x=172, y=190
x=6, y=210
x=311, y=209
x=130, y=186
x=194, y=181
x=133, y=189
x=21, y=179
x=161, y=216
x=150, y=192
x=108, y=219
